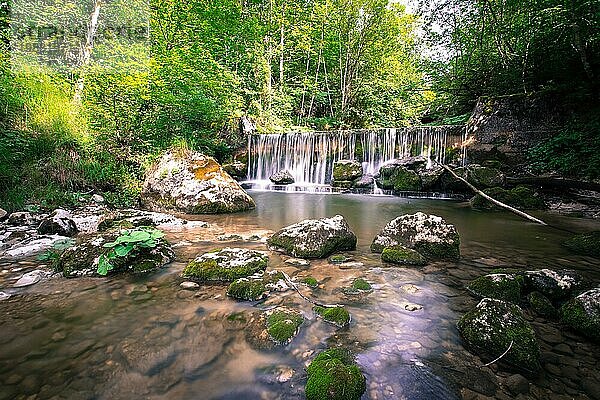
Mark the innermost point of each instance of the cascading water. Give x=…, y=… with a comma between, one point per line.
x=309, y=156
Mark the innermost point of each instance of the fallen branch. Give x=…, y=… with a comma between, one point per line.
x=316, y=303
x=498, y=359
x=487, y=197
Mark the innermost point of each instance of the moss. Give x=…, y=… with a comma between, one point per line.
x=287, y=244
x=236, y=317
x=310, y=282
x=336, y=315
x=347, y=171
x=361, y=284
x=520, y=197
x=585, y=243
x=282, y=326
x=247, y=289
x=333, y=375
x=491, y=330
x=541, y=305
x=402, y=256
x=398, y=178
x=339, y=259
x=497, y=286
x=573, y=314
x=209, y=270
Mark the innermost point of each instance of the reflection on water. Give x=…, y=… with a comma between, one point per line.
x=144, y=337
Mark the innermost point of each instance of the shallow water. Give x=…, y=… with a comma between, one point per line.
x=144, y=337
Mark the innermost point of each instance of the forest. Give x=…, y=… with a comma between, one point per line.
x=92, y=91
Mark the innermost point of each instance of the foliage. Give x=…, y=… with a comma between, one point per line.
x=128, y=242
x=53, y=255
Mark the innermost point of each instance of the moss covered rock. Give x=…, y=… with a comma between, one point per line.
x=587, y=244
x=283, y=324
x=485, y=177
x=505, y=287
x=398, y=178
x=82, y=259
x=583, y=314
x=520, y=197
x=338, y=316
x=192, y=183
x=226, y=265
x=358, y=286
x=310, y=281
x=402, y=256
x=347, y=170
x=555, y=285
x=316, y=238
x=334, y=375
x=490, y=328
x=541, y=305
x=247, y=289
x=429, y=235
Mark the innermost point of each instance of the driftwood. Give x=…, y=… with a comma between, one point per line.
x=487, y=197
x=316, y=303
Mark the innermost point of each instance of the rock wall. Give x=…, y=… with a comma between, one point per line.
x=504, y=129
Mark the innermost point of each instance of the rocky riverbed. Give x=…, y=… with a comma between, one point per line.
x=140, y=336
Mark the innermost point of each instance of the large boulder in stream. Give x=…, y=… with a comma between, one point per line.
x=193, y=183
x=401, y=174
x=136, y=256
x=521, y=197
x=59, y=223
x=583, y=313
x=498, y=286
x=495, y=326
x=347, y=170
x=282, y=178
x=226, y=265
x=430, y=235
x=314, y=238
x=555, y=285
x=334, y=374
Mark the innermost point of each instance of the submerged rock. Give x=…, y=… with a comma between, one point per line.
x=282, y=178
x=193, y=183
x=314, y=238
x=83, y=258
x=402, y=256
x=337, y=316
x=59, y=223
x=334, y=375
x=493, y=325
x=275, y=327
x=555, y=285
x=30, y=278
x=587, y=244
x=505, y=287
x=226, y=265
x=347, y=170
x=359, y=286
x=520, y=197
x=583, y=314
x=430, y=235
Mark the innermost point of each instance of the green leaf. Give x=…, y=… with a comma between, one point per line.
x=103, y=265
x=122, y=251
x=138, y=236
x=110, y=244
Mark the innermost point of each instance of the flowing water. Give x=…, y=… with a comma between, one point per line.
x=146, y=338
x=309, y=156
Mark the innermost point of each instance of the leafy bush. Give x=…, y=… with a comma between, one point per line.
x=128, y=242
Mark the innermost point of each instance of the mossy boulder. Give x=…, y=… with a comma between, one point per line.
x=283, y=324
x=247, y=289
x=358, y=286
x=347, y=170
x=339, y=259
x=226, y=265
x=82, y=259
x=338, y=316
x=316, y=238
x=492, y=326
x=541, y=305
x=429, y=235
x=402, y=255
x=310, y=281
x=583, y=314
x=430, y=177
x=587, y=244
x=520, y=197
x=236, y=169
x=485, y=177
x=505, y=287
x=190, y=182
x=555, y=285
x=398, y=178
x=334, y=375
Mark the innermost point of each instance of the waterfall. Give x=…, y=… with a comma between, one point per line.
x=309, y=156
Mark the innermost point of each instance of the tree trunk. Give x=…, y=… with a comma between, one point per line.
x=85, y=54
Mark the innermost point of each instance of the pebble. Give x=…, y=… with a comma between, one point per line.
x=517, y=384
x=285, y=374
x=4, y=296
x=412, y=289
x=189, y=285
x=412, y=306
x=349, y=265
x=58, y=336
x=30, y=278
x=563, y=348
x=297, y=262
